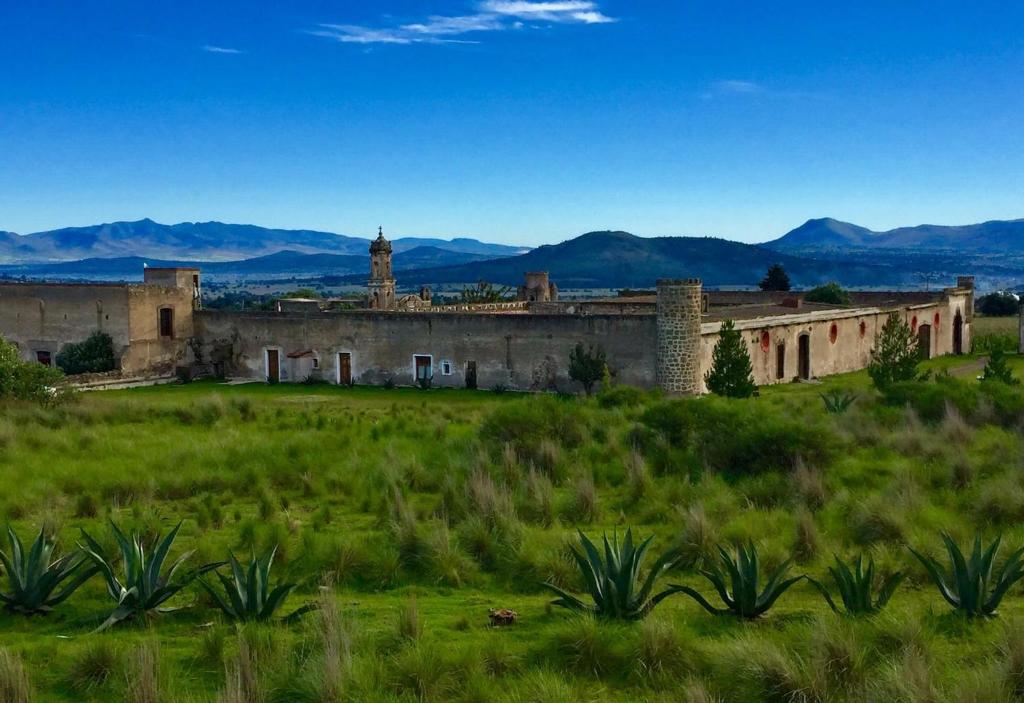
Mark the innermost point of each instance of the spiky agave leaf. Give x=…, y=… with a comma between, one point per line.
x=736, y=582
x=146, y=585
x=969, y=585
x=613, y=581
x=248, y=595
x=856, y=587
x=33, y=579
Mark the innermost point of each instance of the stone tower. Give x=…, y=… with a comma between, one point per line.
x=380, y=293
x=679, y=339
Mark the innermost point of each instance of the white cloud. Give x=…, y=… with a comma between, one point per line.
x=567, y=11
x=735, y=86
x=493, y=16
x=220, y=50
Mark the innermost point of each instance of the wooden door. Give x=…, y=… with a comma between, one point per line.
x=780, y=361
x=470, y=374
x=958, y=333
x=273, y=366
x=924, y=341
x=345, y=369
x=805, y=357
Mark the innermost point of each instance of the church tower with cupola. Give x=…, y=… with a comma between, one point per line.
x=381, y=286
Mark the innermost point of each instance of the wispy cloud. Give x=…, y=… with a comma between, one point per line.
x=221, y=50
x=735, y=87
x=491, y=16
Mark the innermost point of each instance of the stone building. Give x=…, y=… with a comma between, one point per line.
x=537, y=288
x=150, y=323
x=663, y=340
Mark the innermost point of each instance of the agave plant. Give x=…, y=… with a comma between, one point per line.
x=248, y=595
x=856, y=587
x=34, y=578
x=974, y=586
x=838, y=402
x=614, y=582
x=145, y=587
x=738, y=585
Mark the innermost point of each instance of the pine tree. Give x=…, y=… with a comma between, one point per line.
x=895, y=356
x=996, y=369
x=775, y=279
x=731, y=374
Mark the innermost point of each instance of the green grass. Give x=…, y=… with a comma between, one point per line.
x=409, y=514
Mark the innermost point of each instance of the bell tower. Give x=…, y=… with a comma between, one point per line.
x=381, y=286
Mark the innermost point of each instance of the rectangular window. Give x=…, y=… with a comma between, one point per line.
x=780, y=361
x=446, y=368
x=423, y=367
x=316, y=363
x=166, y=322
x=44, y=358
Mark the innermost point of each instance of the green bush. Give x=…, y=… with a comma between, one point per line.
x=740, y=437
x=976, y=402
x=527, y=423
x=94, y=355
x=23, y=380
x=830, y=293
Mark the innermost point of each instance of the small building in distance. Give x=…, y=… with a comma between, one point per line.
x=537, y=288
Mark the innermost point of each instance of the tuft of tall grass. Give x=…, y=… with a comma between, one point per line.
x=590, y=648
x=409, y=623
x=584, y=505
x=806, y=540
x=142, y=673
x=537, y=502
x=93, y=667
x=14, y=683
x=336, y=647
x=421, y=670
x=809, y=485
x=660, y=658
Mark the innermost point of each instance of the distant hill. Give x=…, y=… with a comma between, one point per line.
x=827, y=234
x=621, y=259
x=282, y=262
x=205, y=241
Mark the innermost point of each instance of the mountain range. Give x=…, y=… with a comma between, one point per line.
x=205, y=241
x=819, y=250
x=827, y=234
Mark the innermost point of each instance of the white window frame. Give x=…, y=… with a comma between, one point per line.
x=447, y=367
x=416, y=378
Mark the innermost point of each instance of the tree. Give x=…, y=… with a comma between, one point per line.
x=25, y=380
x=996, y=368
x=830, y=293
x=484, y=292
x=94, y=355
x=587, y=365
x=1000, y=303
x=775, y=279
x=731, y=374
x=895, y=356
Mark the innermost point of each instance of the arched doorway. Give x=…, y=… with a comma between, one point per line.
x=958, y=333
x=804, y=354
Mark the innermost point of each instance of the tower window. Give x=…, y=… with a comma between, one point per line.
x=166, y=322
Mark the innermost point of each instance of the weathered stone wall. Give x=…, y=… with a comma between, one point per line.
x=840, y=341
x=42, y=317
x=45, y=317
x=520, y=351
x=679, y=335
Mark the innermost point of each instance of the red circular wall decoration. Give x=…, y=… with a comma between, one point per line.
x=766, y=341
x=833, y=333
x=938, y=319
x=863, y=328
x=913, y=324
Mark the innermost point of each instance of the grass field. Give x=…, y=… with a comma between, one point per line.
x=995, y=331
x=409, y=514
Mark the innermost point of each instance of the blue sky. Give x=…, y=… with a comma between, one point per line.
x=512, y=120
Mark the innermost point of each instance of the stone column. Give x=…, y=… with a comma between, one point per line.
x=678, y=319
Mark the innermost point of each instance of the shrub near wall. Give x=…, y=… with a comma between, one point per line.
x=977, y=402
x=740, y=437
x=94, y=355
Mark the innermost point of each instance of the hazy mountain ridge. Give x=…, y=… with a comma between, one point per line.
x=620, y=259
x=828, y=234
x=205, y=241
